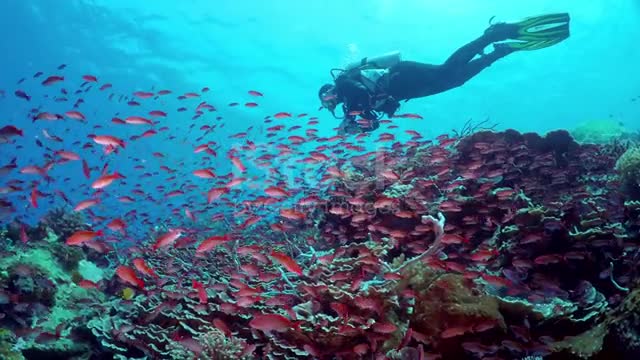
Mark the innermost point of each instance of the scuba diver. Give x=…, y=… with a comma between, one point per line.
x=374, y=86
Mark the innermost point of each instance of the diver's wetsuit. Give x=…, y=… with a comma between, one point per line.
x=409, y=79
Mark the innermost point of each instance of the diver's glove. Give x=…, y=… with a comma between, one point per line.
x=388, y=106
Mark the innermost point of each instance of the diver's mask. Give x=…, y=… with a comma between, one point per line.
x=328, y=97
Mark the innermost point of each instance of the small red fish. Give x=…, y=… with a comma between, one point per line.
x=211, y=242
x=238, y=164
x=76, y=115
x=142, y=266
x=138, y=120
x=106, y=180
x=215, y=193
x=68, y=155
x=408, y=116
x=117, y=225
x=10, y=130
x=129, y=276
x=453, y=332
x=108, y=140
x=86, y=170
x=453, y=239
x=34, y=197
x=23, y=234
x=204, y=173
x=282, y=115
x=157, y=113
x=143, y=94
x=202, y=293
x=287, y=262
x=292, y=214
x=276, y=191
x=89, y=78
x=87, y=284
x=86, y=204
x=272, y=322
x=52, y=80
x=82, y=236
x=190, y=215
x=166, y=239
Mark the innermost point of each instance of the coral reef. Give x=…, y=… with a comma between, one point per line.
x=494, y=245
x=628, y=166
x=599, y=131
x=64, y=222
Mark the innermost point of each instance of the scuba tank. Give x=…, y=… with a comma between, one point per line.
x=382, y=61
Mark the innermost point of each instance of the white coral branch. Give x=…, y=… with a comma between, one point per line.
x=438, y=228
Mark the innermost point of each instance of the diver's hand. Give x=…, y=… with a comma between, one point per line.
x=389, y=107
x=349, y=126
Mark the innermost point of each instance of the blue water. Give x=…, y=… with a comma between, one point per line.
x=285, y=50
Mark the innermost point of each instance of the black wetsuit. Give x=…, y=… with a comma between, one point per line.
x=409, y=79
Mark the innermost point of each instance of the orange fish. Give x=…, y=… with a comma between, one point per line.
x=86, y=204
x=235, y=182
x=454, y=331
x=204, y=173
x=276, y=191
x=34, y=197
x=157, y=113
x=238, y=164
x=85, y=169
x=215, y=193
x=138, y=120
x=141, y=266
x=143, y=94
x=271, y=322
x=52, y=80
x=68, y=155
x=408, y=116
x=106, y=180
x=129, y=276
x=211, y=242
x=76, y=115
x=202, y=293
x=108, y=140
x=89, y=78
x=453, y=239
x=166, y=239
x=292, y=214
x=287, y=262
x=282, y=115
x=82, y=236
x=87, y=284
x=117, y=225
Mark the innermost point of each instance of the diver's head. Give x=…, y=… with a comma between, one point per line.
x=328, y=96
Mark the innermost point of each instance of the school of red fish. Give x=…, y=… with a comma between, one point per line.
x=184, y=217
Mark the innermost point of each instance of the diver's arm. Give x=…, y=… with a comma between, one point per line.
x=389, y=106
x=353, y=94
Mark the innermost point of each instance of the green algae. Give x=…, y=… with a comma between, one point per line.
x=41, y=259
x=601, y=131
x=9, y=346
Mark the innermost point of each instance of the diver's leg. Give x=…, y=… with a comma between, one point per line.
x=410, y=80
x=455, y=75
x=495, y=33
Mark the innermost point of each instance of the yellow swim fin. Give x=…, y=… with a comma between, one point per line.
x=539, y=32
